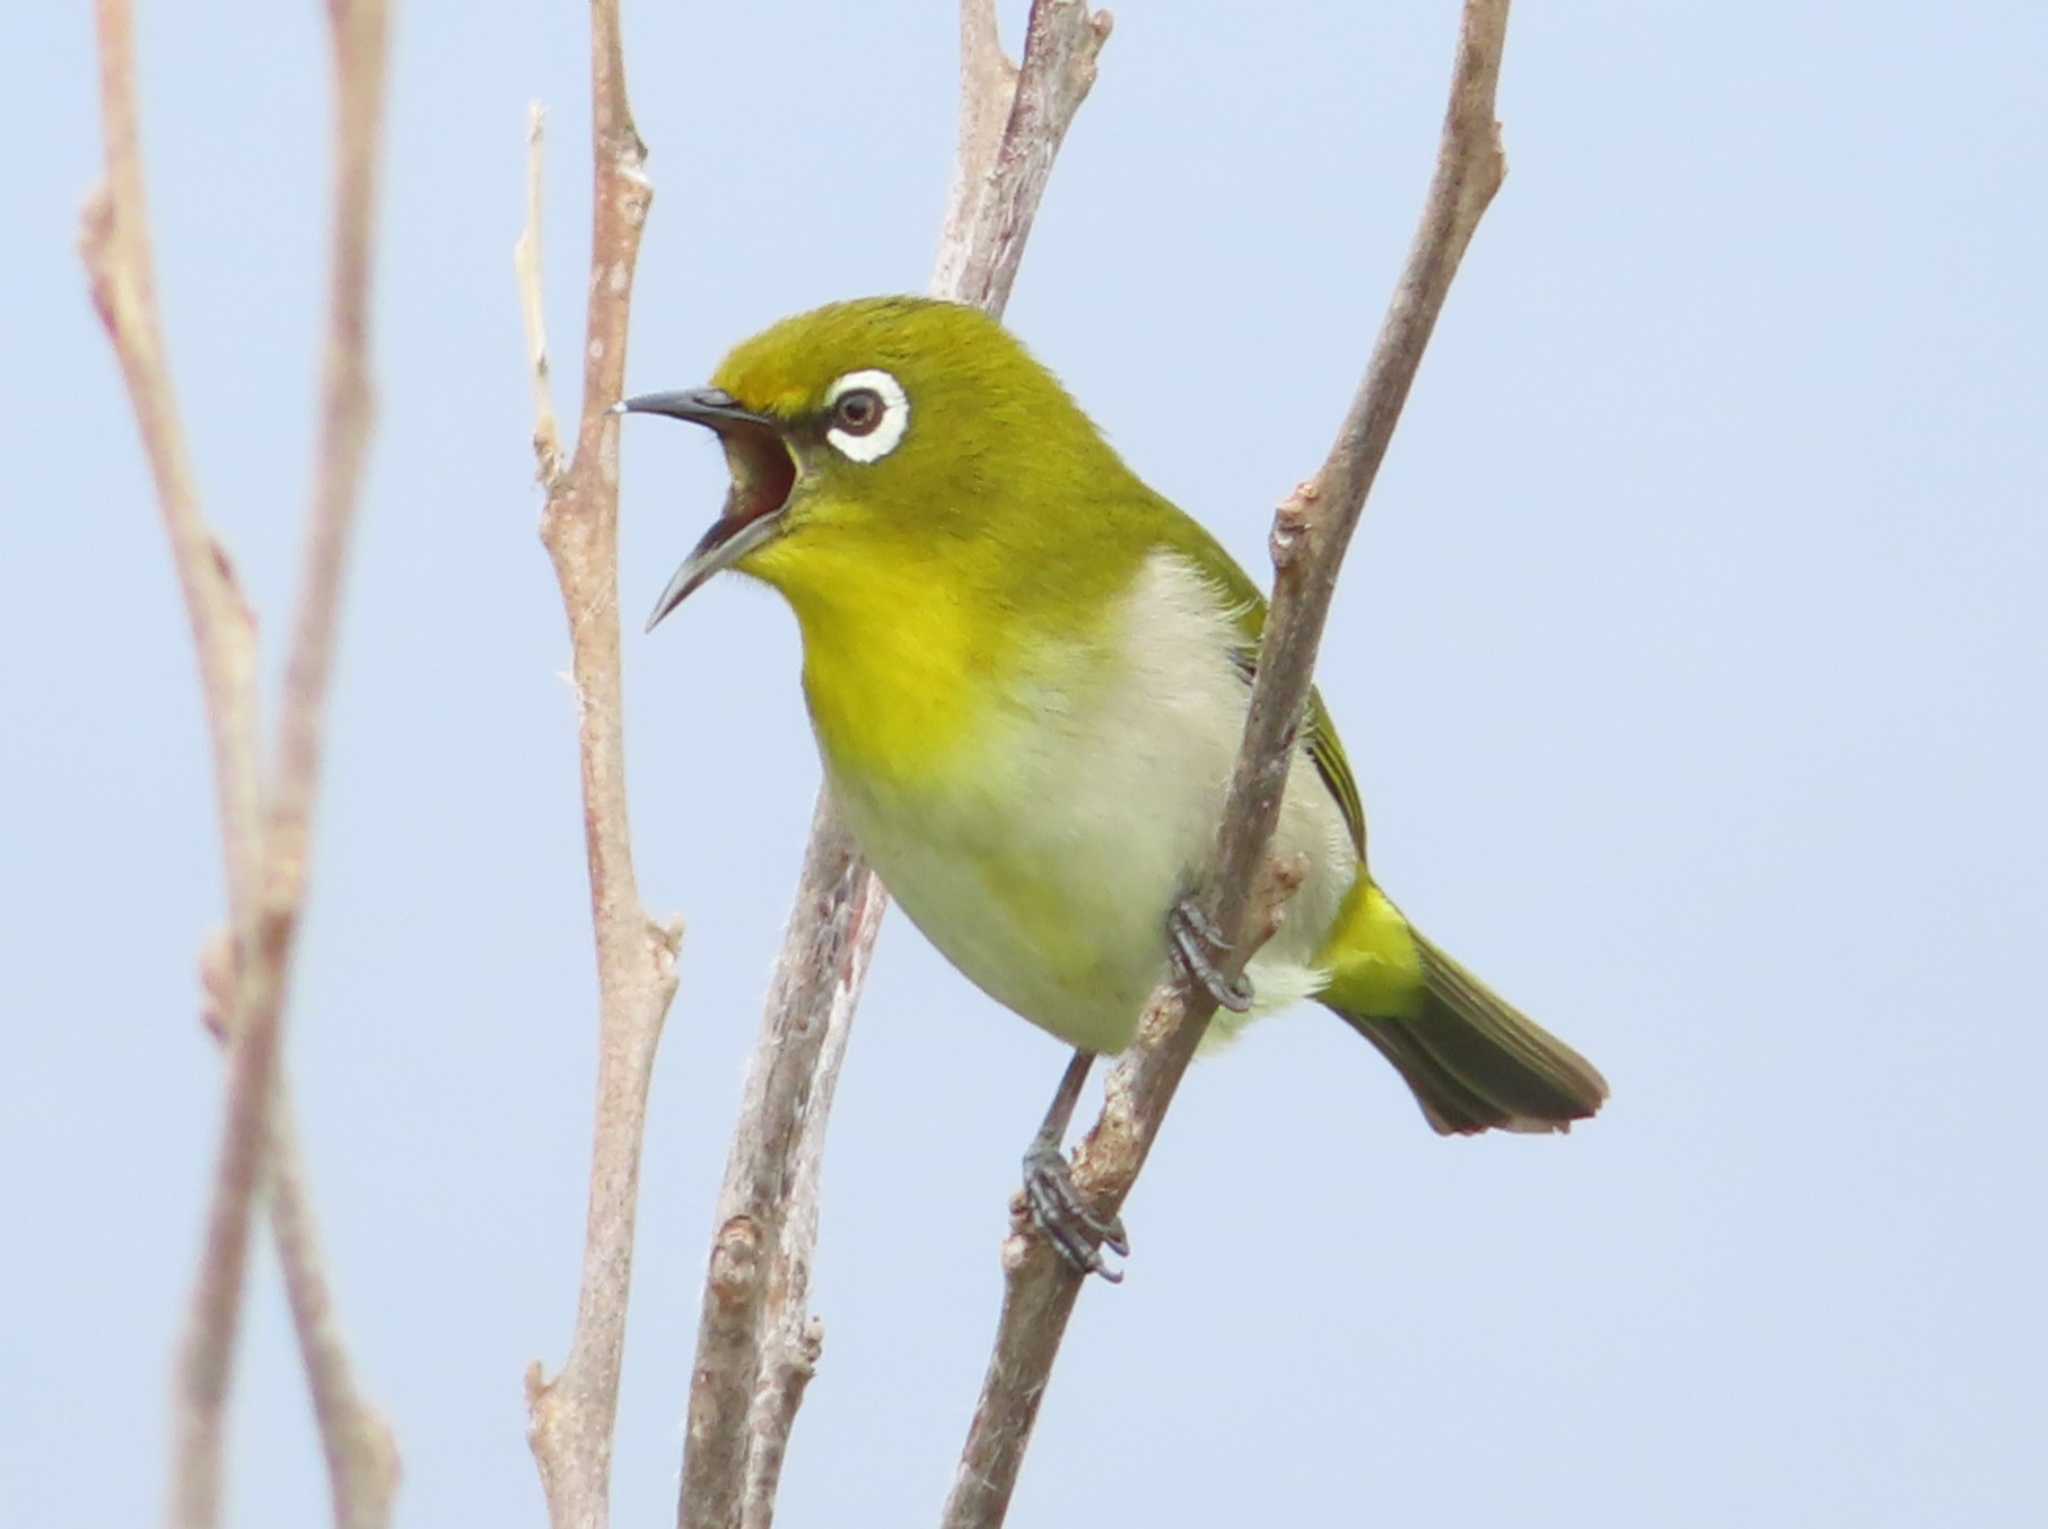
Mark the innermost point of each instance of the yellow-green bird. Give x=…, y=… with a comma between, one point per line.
x=1028, y=676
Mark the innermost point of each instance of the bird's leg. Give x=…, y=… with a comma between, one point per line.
x=1196, y=947
x=1077, y=1234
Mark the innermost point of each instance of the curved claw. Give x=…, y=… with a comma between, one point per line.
x=1194, y=945
x=1076, y=1233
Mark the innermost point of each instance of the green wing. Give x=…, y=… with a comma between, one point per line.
x=1324, y=751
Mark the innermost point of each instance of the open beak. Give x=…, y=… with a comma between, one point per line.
x=763, y=473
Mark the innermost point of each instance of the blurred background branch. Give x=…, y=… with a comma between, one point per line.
x=266, y=835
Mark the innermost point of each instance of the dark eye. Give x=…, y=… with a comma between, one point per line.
x=858, y=412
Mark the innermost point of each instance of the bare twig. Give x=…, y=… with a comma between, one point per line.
x=526, y=260
x=984, y=241
x=362, y=1456
x=755, y=1300
x=206, y=1352
x=1310, y=534
x=988, y=89
x=265, y=842
x=754, y=1312
x=116, y=250
x=791, y=1363
x=570, y=1418
x=823, y=982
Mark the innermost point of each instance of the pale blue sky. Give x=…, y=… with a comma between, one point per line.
x=1691, y=658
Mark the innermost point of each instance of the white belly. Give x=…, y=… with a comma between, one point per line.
x=1044, y=868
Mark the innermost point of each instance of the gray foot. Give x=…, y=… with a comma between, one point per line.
x=1075, y=1232
x=1195, y=946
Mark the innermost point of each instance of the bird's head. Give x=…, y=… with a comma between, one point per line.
x=893, y=436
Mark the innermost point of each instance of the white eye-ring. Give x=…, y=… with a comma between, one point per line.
x=869, y=413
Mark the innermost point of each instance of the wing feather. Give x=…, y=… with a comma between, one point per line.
x=1248, y=607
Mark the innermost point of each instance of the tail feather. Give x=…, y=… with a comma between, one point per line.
x=1451, y=1108
x=1474, y=1062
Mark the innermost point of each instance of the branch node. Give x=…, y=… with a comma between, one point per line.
x=1278, y=883
x=1018, y=1246
x=736, y=1262
x=217, y=981
x=666, y=937
x=1294, y=525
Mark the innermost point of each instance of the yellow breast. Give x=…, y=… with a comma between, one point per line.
x=890, y=674
x=1036, y=809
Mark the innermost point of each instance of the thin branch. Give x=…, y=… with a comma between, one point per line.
x=570, y=1419
x=526, y=261
x=792, y=1362
x=362, y=1455
x=359, y=32
x=755, y=1314
x=116, y=249
x=759, y=1278
x=1310, y=535
x=988, y=89
x=265, y=843
x=1062, y=40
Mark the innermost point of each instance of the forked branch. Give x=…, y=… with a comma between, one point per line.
x=757, y=1340
x=265, y=836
